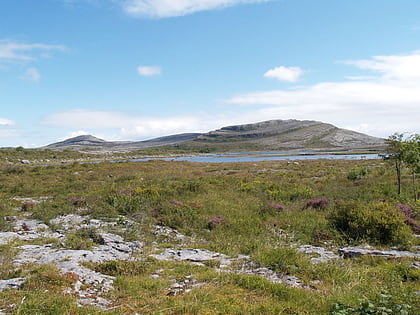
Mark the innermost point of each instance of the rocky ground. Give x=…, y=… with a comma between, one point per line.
x=38, y=243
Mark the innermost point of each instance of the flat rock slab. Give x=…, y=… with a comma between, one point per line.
x=323, y=254
x=15, y=283
x=352, y=252
x=193, y=255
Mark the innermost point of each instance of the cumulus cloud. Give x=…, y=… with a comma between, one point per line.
x=17, y=51
x=286, y=74
x=385, y=103
x=171, y=8
x=32, y=74
x=149, y=71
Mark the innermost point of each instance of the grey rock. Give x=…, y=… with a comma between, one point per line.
x=352, y=252
x=10, y=218
x=323, y=254
x=15, y=283
x=197, y=256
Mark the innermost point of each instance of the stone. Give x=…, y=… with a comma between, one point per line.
x=352, y=252
x=323, y=254
x=10, y=218
x=15, y=283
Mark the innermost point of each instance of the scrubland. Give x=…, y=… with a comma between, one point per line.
x=262, y=210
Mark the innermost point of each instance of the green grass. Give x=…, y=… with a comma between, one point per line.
x=187, y=196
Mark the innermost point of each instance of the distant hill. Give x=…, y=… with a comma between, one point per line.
x=267, y=135
x=90, y=142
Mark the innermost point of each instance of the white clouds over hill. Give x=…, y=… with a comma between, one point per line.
x=384, y=103
x=378, y=105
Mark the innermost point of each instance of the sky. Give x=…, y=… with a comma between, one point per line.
x=140, y=69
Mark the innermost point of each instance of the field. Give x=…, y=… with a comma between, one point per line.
x=258, y=214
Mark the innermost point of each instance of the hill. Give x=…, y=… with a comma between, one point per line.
x=267, y=135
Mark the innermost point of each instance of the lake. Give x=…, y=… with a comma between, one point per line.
x=263, y=156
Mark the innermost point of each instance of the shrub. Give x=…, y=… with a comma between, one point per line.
x=76, y=201
x=378, y=223
x=321, y=203
x=27, y=206
x=357, y=174
x=275, y=206
x=409, y=217
x=271, y=208
x=383, y=304
x=84, y=239
x=215, y=221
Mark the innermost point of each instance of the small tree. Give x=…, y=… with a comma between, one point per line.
x=405, y=152
x=411, y=157
x=395, y=153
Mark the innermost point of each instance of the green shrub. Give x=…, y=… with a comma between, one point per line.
x=357, y=174
x=383, y=304
x=378, y=223
x=84, y=239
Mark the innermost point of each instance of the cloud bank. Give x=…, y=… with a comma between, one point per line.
x=172, y=8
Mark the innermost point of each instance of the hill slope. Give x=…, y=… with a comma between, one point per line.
x=286, y=134
x=267, y=135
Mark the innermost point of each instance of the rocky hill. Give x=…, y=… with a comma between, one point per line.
x=267, y=135
x=287, y=134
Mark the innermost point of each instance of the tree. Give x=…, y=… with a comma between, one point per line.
x=395, y=153
x=405, y=152
x=411, y=157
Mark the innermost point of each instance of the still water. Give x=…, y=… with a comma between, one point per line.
x=262, y=156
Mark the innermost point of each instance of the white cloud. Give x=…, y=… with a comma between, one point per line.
x=6, y=122
x=384, y=104
x=287, y=74
x=402, y=68
x=149, y=71
x=171, y=8
x=17, y=51
x=126, y=126
x=76, y=134
x=32, y=74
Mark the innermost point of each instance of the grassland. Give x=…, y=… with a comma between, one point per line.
x=264, y=210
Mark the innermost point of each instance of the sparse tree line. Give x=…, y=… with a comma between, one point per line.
x=404, y=152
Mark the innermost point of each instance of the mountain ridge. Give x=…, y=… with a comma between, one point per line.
x=267, y=135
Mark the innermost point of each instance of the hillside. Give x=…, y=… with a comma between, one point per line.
x=268, y=135
x=284, y=134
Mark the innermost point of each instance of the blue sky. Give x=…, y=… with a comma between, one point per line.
x=138, y=69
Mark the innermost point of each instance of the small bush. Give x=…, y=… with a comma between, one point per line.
x=378, y=223
x=27, y=206
x=382, y=304
x=409, y=217
x=321, y=203
x=76, y=201
x=215, y=221
x=357, y=174
x=84, y=239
